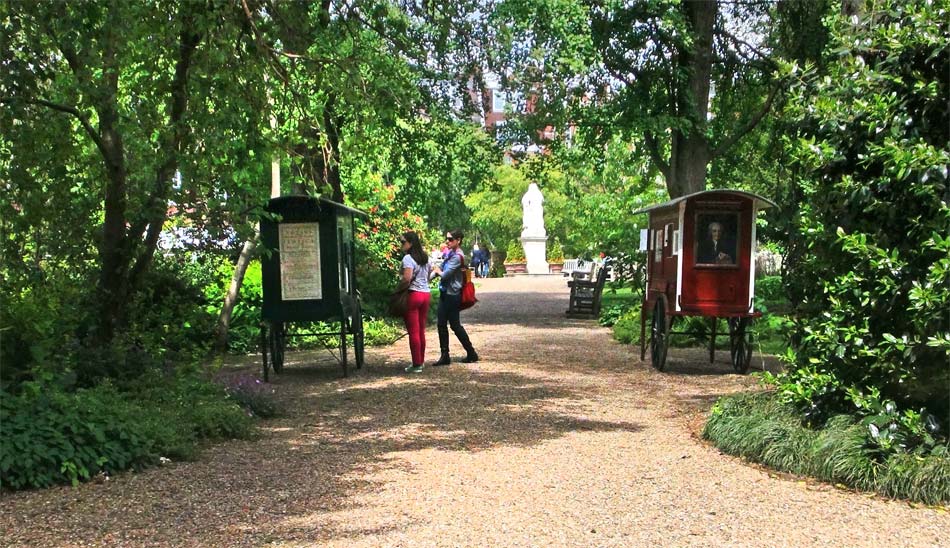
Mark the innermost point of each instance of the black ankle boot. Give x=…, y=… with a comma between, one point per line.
x=444, y=360
x=470, y=357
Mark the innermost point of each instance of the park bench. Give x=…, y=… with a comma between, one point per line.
x=577, y=269
x=585, y=293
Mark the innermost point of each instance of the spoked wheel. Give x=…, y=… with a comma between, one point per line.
x=740, y=343
x=265, y=357
x=356, y=326
x=343, y=357
x=659, y=335
x=277, y=341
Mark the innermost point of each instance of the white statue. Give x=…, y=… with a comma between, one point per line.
x=533, y=220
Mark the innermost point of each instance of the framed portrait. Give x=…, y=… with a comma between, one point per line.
x=717, y=239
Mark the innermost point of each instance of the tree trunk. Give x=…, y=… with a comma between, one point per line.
x=114, y=252
x=118, y=276
x=331, y=152
x=687, y=173
x=223, y=329
x=234, y=292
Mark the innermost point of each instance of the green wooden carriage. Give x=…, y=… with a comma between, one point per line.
x=308, y=274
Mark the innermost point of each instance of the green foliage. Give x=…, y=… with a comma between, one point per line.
x=769, y=290
x=760, y=427
x=605, y=181
x=515, y=252
x=244, y=327
x=496, y=206
x=383, y=332
x=616, y=303
x=871, y=276
x=627, y=327
x=54, y=436
x=610, y=314
x=892, y=431
x=555, y=252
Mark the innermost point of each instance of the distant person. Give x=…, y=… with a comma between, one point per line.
x=450, y=299
x=416, y=270
x=486, y=262
x=716, y=249
x=476, y=260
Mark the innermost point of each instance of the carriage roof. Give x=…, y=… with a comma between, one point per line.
x=760, y=201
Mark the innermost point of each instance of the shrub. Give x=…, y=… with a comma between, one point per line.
x=514, y=252
x=872, y=275
x=627, y=327
x=254, y=395
x=555, y=253
x=760, y=427
x=610, y=314
x=55, y=436
x=769, y=289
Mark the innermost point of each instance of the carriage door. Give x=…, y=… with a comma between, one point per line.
x=670, y=235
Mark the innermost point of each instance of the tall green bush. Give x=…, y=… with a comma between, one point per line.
x=873, y=281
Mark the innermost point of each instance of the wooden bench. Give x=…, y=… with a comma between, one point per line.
x=585, y=294
x=578, y=269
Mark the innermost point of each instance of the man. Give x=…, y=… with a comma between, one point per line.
x=486, y=262
x=477, y=260
x=716, y=249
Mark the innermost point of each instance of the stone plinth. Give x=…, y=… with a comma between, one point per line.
x=535, y=252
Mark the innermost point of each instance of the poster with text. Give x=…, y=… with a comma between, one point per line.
x=300, y=275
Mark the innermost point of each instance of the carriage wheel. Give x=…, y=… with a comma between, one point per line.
x=277, y=341
x=264, y=353
x=356, y=326
x=659, y=335
x=740, y=343
x=343, y=360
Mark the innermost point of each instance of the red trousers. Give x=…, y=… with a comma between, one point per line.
x=415, y=320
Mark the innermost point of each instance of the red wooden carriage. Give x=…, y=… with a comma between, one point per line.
x=701, y=262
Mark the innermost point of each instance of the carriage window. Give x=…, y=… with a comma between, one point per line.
x=657, y=245
x=717, y=237
x=677, y=244
x=668, y=239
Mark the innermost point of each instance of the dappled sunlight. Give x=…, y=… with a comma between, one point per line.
x=553, y=420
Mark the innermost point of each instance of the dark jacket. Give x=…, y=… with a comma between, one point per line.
x=708, y=253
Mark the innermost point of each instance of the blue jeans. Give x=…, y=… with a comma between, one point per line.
x=448, y=314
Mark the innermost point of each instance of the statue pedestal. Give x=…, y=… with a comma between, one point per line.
x=535, y=253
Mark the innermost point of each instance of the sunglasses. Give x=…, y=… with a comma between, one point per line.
x=449, y=239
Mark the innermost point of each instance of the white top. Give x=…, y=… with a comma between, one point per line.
x=420, y=281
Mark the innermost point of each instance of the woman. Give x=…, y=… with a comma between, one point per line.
x=416, y=270
x=450, y=298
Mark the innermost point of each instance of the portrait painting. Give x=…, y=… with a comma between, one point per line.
x=717, y=236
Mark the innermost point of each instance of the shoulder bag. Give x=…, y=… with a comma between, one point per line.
x=468, y=289
x=399, y=298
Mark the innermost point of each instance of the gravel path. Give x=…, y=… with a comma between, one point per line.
x=558, y=437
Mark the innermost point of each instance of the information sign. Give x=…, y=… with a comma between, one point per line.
x=300, y=276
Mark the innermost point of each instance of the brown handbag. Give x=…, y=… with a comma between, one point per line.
x=399, y=299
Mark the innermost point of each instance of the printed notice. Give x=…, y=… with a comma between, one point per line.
x=300, y=277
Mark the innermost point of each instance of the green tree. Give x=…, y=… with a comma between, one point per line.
x=687, y=79
x=126, y=76
x=873, y=284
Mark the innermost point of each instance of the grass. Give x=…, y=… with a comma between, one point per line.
x=620, y=309
x=756, y=426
